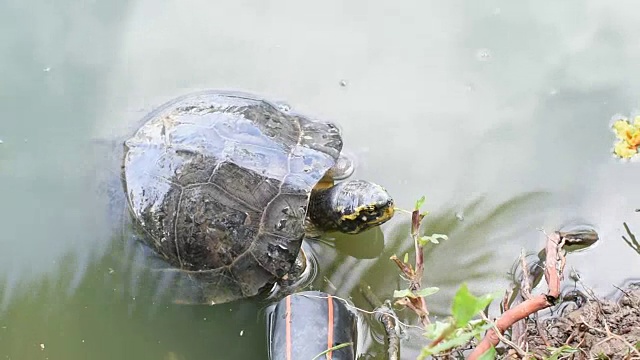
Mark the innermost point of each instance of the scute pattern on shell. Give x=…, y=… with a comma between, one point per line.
x=220, y=184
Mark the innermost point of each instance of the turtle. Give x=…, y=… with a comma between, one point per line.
x=224, y=187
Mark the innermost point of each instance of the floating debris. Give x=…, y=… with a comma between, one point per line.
x=241, y=332
x=283, y=106
x=343, y=83
x=629, y=137
x=483, y=55
x=47, y=69
x=41, y=346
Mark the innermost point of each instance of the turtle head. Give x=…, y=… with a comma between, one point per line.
x=351, y=206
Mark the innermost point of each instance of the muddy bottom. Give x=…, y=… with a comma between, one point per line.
x=600, y=329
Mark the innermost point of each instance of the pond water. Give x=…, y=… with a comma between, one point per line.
x=498, y=112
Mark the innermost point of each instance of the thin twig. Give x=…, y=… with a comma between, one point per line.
x=525, y=287
x=515, y=347
x=387, y=317
x=541, y=332
x=416, y=283
x=355, y=308
x=418, y=303
x=574, y=333
x=612, y=335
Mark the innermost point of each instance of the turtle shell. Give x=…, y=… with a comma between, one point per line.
x=219, y=183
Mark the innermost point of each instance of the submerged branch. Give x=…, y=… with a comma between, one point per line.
x=387, y=317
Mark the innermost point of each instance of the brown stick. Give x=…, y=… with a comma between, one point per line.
x=416, y=219
x=387, y=317
x=414, y=275
x=416, y=281
x=552, y=273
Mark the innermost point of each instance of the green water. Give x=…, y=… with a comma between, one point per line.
x=499, y=113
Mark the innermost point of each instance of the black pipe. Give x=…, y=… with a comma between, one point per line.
x=306, y=324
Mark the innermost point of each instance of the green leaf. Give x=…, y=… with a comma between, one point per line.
x=448, y=344
x=440, y=237
x=435, y=239
x=466, y=306
x=489, y=354
x=403, y=293
x=419, y=203
x=424, y=240
x=454, y=337
x=406, y=258
x=408, y=293
x=434, y=330
x=556, y=353
x=451, y=343
x=427, y=291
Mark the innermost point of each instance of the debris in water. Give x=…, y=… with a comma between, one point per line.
x=283, y=106
x=343, y=83
x=629, y=136
x=241, y=332
x=47, y=69
x=1, y=142
x=483, y=55
x=460, y=216
x=41, y=346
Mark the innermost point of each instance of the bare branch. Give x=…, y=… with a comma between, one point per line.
x=554, y=266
